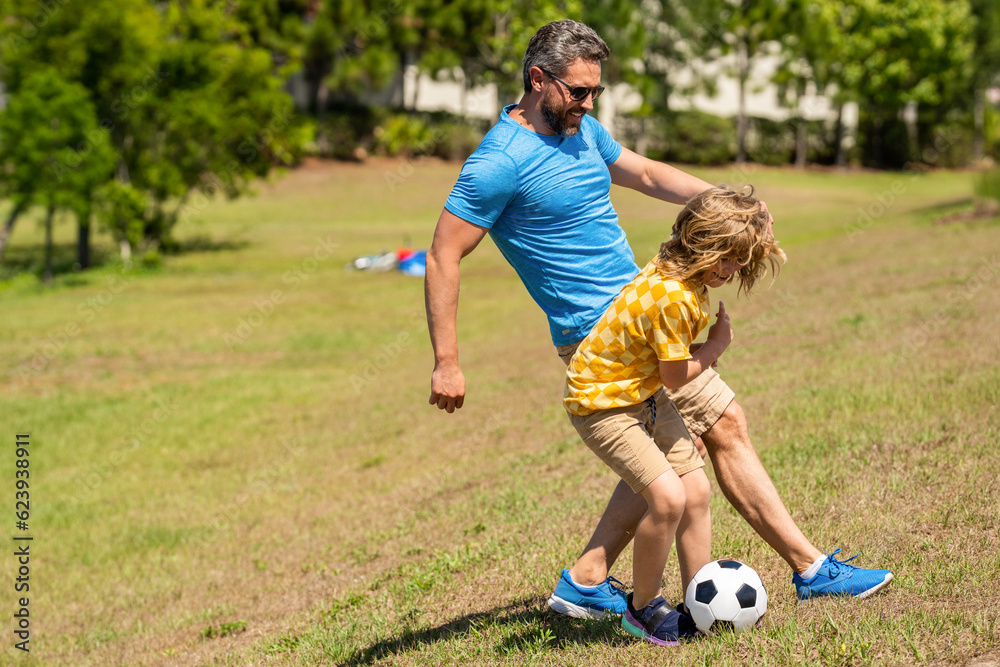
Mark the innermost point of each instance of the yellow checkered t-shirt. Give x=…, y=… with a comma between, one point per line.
x=653, y=318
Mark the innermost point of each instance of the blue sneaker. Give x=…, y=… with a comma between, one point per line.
x=836, y=577
x=658, y=623
x=572, y=599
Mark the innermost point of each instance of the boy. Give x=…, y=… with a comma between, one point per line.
x=615, y=398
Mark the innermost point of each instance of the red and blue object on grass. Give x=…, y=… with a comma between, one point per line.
x=411, y=262
x=407, y=261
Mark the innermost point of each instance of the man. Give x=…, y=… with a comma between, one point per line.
x=539, y=184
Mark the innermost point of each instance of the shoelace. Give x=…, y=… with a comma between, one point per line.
x=620, y=586
x=836, y=565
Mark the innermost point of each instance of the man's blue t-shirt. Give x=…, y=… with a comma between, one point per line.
x=546, y=202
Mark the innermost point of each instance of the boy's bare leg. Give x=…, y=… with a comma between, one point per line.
x=694, y=534
x=743, y=480
x=749, y=489
x=665, y=500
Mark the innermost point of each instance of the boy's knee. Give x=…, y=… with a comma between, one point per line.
x=666, y=501
x=698, y=490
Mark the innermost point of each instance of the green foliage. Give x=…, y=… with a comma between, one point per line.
x=687, y=137
x=988, y=184
x=992, y=132
x=186, y=100
x=120, y=207
x=693, y=137
x=986, y=55
x=403, y=134
x=355, y=132
x=51, y=148
x=346, y=134
x=945, y=139
x=280, y=26
x=897, y=53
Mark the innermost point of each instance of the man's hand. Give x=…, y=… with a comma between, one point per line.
x=770, y=220
x=447, y=388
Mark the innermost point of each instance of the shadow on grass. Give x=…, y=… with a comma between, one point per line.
x=20, y=259
x=947, y=206
x=204, y=243
x=541, y=628
x=30, y=258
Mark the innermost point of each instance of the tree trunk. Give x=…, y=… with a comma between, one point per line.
x=8, y=227
x=876, y=140
x=911, y=114
x=83, y=239
x=47, y=276
x=642, y=141
x=743, y=66
x=801, y=144
x=125, y=249
x=979, y=121
x=840, y=137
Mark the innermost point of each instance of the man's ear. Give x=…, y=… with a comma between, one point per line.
x=536, y=75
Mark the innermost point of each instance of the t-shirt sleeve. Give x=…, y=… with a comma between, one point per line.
x=609, y=149
x=671, y=332
x=484, y=188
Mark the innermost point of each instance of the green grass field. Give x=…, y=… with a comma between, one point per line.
x=233, y=461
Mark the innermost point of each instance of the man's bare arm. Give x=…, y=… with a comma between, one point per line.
x=655, y=179
x=454, y=238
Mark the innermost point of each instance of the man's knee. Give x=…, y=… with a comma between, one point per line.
x=699, y=444
x=729, y=433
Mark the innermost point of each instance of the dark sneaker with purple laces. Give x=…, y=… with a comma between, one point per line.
x=658, y=623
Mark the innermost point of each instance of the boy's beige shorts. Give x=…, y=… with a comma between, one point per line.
x=638, y=450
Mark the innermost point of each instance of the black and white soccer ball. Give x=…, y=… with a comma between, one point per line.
x=726, y=595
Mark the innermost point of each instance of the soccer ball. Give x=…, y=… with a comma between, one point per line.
x=726, y=595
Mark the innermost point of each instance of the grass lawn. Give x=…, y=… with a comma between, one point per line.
x=233, y=461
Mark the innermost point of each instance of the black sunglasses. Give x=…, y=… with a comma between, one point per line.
x=577, y=93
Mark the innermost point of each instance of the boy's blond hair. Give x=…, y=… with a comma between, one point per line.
x=721, y=223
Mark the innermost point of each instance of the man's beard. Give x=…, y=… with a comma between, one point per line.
x=556, y=120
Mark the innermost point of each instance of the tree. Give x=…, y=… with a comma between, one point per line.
x=986, y=64
x=52, y=152
x=744, y=29
x=121, y=208
x=190, y=103
x=811, y=46
x=897, y=53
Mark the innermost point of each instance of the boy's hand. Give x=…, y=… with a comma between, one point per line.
x=694, y=348
x=722, y=331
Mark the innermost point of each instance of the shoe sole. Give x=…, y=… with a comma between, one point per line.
x=860, y=596
x=565, y=608
x=875, y=589
x=634, y=627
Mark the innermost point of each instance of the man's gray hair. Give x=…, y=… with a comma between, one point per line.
x=559, y=43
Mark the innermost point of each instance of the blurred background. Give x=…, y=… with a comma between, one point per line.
x=121, y=115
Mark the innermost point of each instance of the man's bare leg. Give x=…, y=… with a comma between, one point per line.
x=743, y=481
x=749, y=489
x=613, y=533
